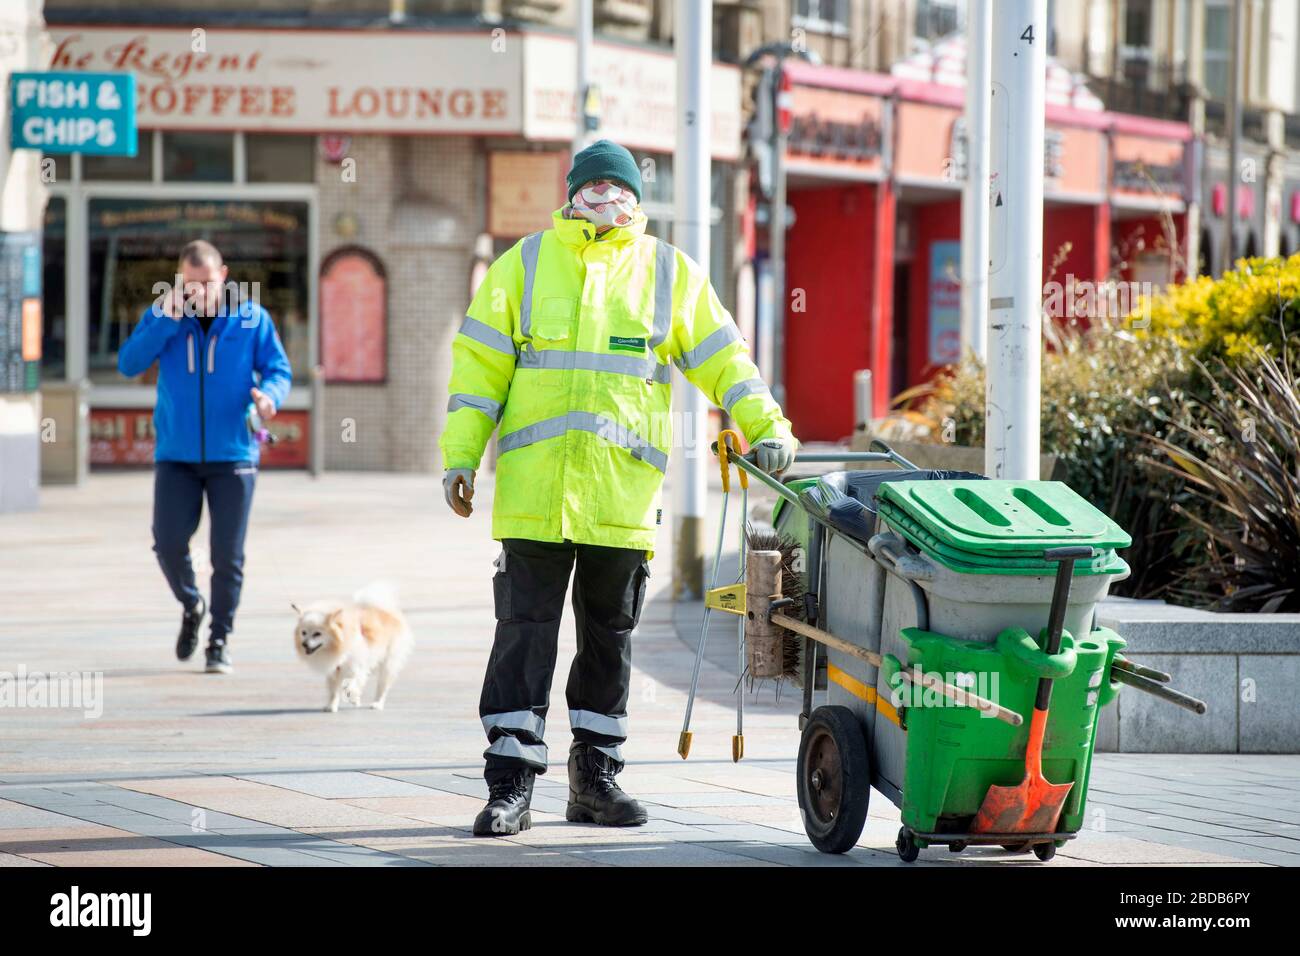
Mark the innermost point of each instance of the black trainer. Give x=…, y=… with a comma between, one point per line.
x=594, y=797
x=507, y=811
x=188, y=639
x=218, y=659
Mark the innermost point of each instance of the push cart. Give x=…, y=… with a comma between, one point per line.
x=955, y=619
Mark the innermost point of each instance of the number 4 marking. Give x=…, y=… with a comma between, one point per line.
x=1028, y=35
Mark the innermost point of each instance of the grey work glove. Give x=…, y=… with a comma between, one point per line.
x=458, y=488
x=774, y=455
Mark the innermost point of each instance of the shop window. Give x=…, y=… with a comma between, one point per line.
x=1135, y=51
x=1205, y=265
x=1218, y=39
x=280, y=158
x=354, y=316
x=134, y=244
x=936, y=18
x=656, y=178
x=822, y=16
x=54, y=299
x=134, y=169
x=62, y=167
x=199, y=157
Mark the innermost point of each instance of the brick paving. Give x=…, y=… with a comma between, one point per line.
x=185, y=769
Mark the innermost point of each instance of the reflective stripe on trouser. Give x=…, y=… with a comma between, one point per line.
x=529, y=590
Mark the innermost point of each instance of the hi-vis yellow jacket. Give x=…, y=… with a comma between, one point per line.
x=567, y=346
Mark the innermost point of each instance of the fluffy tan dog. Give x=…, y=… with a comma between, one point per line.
x=347, y=642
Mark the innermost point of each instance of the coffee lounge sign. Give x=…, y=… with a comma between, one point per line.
x=436, y=81
x=308, y=81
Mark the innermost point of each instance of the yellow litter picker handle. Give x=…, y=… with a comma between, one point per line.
x=725, y=449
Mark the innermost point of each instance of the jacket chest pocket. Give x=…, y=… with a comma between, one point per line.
x=553, y=334
x=553, y=323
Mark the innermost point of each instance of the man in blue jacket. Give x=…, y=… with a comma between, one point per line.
x=217, y=361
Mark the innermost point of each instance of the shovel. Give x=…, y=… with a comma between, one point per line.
x=1034, y=805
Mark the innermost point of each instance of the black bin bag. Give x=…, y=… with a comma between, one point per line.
x=846, y=500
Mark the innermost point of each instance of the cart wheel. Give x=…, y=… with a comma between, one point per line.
x=834, y=779
x=956, y=846
x=1015, y=847
x=1044, y=851
x=906, y=846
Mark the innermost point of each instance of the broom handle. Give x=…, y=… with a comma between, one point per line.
x=958, y=696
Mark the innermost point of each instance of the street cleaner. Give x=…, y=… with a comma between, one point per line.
x=568, y=348
x=220, y=367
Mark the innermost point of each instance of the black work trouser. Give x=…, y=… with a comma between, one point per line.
x=529, y=587
x=178, y=492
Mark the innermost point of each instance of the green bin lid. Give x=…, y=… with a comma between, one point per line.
x=996, y=516
x=1106, y=561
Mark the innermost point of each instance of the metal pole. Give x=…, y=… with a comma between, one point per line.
x=693, y=41
x=975, y=192
x=864, y=409
x=1012, y=391
x=1237, y=35
x=1194, y=40
x=583, y=35
x=776, y=245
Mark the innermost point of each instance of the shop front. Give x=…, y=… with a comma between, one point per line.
x=1289, y=225
x=1252, y=213
x=930, y=171
x=1151, y=176
x=839, y=248
x=877, y=165
x=353, y=188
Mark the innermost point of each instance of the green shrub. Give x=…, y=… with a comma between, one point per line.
x=1239, y=451
x=1103, y=389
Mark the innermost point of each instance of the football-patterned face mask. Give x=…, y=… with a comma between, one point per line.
x=604, y=204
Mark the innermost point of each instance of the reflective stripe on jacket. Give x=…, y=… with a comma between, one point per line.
x=568, y=347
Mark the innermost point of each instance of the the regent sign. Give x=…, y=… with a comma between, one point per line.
x=309, y=81
x=435, y=81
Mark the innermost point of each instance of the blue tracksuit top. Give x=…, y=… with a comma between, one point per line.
x=204, y=380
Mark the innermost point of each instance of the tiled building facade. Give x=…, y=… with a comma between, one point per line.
x=428, y=198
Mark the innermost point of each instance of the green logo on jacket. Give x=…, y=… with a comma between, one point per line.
x=622, y=343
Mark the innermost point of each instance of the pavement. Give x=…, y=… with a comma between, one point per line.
x=145, y=761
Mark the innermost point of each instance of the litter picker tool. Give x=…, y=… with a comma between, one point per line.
x=725, y=450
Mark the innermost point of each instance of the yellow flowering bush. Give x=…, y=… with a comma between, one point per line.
x=1252, y=307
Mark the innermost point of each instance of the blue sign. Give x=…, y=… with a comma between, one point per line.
x=945, y=302
x=74, y=112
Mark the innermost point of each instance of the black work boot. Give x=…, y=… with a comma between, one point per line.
x=218, y=658
x=594, y=797
x=188, y=638
x=507, y=810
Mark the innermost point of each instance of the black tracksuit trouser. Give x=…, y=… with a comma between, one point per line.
x=178, y=493
x=529, y=588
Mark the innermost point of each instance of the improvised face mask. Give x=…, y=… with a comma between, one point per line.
x=605, y=204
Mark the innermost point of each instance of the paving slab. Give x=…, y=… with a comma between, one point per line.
x=247, y=770
x=93, y=845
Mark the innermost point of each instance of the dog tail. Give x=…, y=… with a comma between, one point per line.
x=381, y=595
